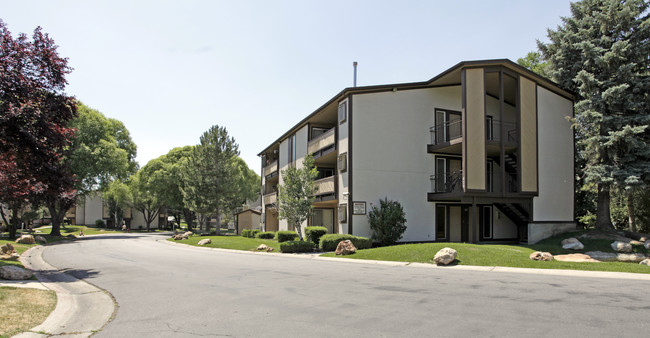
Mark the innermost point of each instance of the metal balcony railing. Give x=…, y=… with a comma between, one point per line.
x=448, y=182
x=448, y=131
x=445, y=132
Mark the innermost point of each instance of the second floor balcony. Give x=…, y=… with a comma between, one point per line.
x=447, y=137
x=271, y=198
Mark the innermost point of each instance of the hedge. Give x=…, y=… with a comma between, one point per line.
x=331, y=241
x=314, y=233
x=285, y=236
x=297, y=246
x=246, y=233
x=254, y=233
x=266, y=235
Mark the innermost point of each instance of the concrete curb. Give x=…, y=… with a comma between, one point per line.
x=550, y=272
x=81, y=309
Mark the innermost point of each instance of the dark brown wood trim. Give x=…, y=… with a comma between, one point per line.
x=350, y=166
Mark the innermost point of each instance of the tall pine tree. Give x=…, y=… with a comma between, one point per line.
x=601, y=52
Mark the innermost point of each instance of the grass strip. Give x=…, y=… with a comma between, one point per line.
x=24, y=308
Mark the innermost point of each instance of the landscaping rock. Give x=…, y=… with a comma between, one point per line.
x=7, y=249
x=541, y=256
x=40, y=239
x=633, y=242
x=263, y=247
x=630, y=257
x=179, y=237
x=205, y=241
x=619, y=246
x=602, y=256
x=643, y=239
x=575, y=257
x=25, y=239
x=572, y=244
x=345, y=248
x=188, y=234
x=11, y=272
x=645, y=262
x=445, y=256
x=10, y=257
x=269, y=249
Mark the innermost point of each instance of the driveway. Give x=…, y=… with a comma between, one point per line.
x=169, y=290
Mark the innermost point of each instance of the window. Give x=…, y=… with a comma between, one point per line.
x=486, y=217
x=316, y=132
x=292, y=149
x=343, y=112
x=343, y=162
x=441, y=222
x=490, y=176
x=343, y=213
x=324, y=172
x=489, y=125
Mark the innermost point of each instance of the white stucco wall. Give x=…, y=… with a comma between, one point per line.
x=93, y=209
x=555, y=157
x=502, y=226
x=390, y=133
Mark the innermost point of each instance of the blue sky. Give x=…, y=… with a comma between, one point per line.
x=171, y=69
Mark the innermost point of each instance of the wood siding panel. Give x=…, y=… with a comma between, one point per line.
x=528, y=135
x=474, y=135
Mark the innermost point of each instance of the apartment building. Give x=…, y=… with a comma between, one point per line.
x=482, y=152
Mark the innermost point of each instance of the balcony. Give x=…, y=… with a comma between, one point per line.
x=271, y=198
x=446, y=137
x=446, y=187
x=271, y=168
x=325, y=189
x=323, y=144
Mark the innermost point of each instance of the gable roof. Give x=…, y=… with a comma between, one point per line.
x=449, y=77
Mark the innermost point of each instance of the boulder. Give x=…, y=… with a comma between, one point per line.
x=602, y=256
x=619, y=246
x=541, y=256
x=645, y=262
x=445, y=256
x=269, y=249
x=188, y=234
x=205, y=241
x=643, y=239
x=10, y=257
x=40, y=239
x=572, y=244
x=630, y=257
x=263, y=247
x=7, y=249
x=633, y=242
x=574, y=257
x=25, y=239
x=12, y=272
x=345, y=248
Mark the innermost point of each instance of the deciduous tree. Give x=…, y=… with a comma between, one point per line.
x=34, y=117
x=296, y=194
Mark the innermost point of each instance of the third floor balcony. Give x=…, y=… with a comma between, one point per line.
x=323, y=144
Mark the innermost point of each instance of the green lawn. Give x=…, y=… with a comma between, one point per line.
x=232, y=242
x=515, y=256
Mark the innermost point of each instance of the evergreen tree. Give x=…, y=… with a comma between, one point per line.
x=601, y=54
x=209, y=180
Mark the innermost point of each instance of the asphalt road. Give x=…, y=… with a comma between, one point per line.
x=169, y=290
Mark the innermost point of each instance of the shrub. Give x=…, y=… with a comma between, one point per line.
x=314, y=234
x=266, y=235
x=285, y=236
x=331, y=241
x=99, y=223
x=254, y=233
x=297, y=246
x=246, y=233
x=388, y=222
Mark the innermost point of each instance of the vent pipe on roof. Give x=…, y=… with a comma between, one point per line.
x=354, y=64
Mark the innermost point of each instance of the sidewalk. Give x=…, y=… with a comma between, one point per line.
x=81, y=310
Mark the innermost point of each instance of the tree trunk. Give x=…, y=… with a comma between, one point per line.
x=57, y=218
x=603, y=218
x=189, y=219
x=630, y=211
x=13, y=224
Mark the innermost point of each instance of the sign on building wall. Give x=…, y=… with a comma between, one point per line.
x=358, y=208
